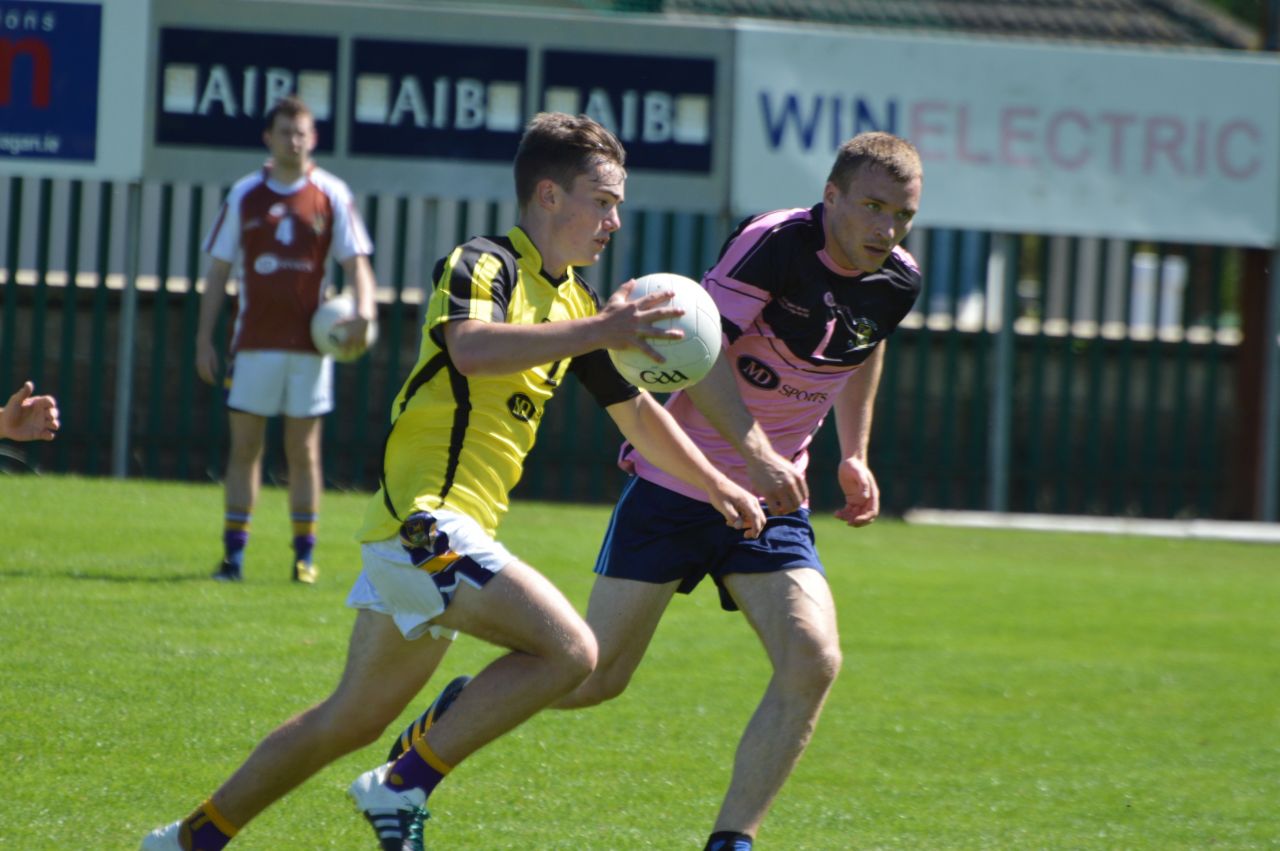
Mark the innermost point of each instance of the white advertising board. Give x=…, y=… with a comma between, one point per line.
x=1019, y=137
x=72, y=74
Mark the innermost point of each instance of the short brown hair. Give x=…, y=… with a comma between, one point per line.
x=290, y=106
x=892, y=153
x=559, y=146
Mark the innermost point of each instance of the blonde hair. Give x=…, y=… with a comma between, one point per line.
x=892, y=153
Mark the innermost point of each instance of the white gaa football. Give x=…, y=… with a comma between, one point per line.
x=689, y=359
x=327, y=338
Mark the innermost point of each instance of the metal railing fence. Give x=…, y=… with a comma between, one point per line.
x=1080, y=376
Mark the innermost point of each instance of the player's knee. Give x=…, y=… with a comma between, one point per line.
x=245, y=452
x=575, y=656
x=813, y=665
x=604, y=684
x=571, y=658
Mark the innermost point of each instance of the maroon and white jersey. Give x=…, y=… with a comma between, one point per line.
x=285, y=233
x=797, y=327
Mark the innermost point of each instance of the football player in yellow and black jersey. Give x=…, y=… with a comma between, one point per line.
x=508, y=318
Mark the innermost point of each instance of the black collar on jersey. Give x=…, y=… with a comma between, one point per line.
x=525, y=248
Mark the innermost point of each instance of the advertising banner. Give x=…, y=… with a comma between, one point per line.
x=659, y=106
x=215, y=86
x=53, y=72
x=1018, y=137
x=432, y=102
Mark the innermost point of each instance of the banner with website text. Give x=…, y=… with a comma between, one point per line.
x=61, y=109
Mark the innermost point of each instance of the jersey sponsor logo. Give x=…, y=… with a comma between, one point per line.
x=663, y=376
x=522, y=407
x=757, y=372
x=802, y=395
x=426, y=99
x=269, y=264
x=211, y=97
x=661, y=107
x=49, y=57
x=791, y=307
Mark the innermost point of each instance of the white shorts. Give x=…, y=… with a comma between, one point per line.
x=270, y=383
x=413, y=596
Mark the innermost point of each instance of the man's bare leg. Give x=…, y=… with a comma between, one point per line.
x=794, y=615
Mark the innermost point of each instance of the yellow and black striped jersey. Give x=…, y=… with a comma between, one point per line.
x=459, y=442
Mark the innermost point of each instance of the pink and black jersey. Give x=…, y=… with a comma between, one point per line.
x=796, y=326
x=285, y=234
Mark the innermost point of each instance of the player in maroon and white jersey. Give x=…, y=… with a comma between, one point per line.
x=283, y=222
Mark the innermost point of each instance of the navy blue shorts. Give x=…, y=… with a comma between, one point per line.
x=659, y=536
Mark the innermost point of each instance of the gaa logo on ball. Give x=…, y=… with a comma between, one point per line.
x=688, y=359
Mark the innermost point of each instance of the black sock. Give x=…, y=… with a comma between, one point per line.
x=728, y=840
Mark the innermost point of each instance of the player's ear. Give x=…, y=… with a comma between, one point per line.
x=547, y=193
x=830, y=193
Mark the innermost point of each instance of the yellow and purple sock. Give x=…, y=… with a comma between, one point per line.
x=304, y=534
x=418, y=768
x=206, y=829
x=235, y=534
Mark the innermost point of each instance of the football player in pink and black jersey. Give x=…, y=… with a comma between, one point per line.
x=808, y=298
x=283, y=222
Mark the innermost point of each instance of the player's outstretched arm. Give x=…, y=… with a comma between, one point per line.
x=853, y=409
x=28, y=417
x=654, y=432
x=499, y=348
x=215, y=291
x=775, y=478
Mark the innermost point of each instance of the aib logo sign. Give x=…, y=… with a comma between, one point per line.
x=419, y=99
x=661, y=107
x=210, y=96
x=49, y=80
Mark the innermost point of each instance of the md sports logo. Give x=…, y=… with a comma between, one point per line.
x=758, y=373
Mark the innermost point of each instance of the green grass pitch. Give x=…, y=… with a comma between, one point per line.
x=1001, y=690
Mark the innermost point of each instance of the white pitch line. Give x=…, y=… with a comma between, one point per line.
x=1220, y=530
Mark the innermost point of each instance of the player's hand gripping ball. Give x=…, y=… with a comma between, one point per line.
x=327, y=334
x=688, y=359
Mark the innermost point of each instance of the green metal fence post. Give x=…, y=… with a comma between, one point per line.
x=72, y=424
x=126, y=330
x=1269, y=480
x=1002, y=278
x=9, y=319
